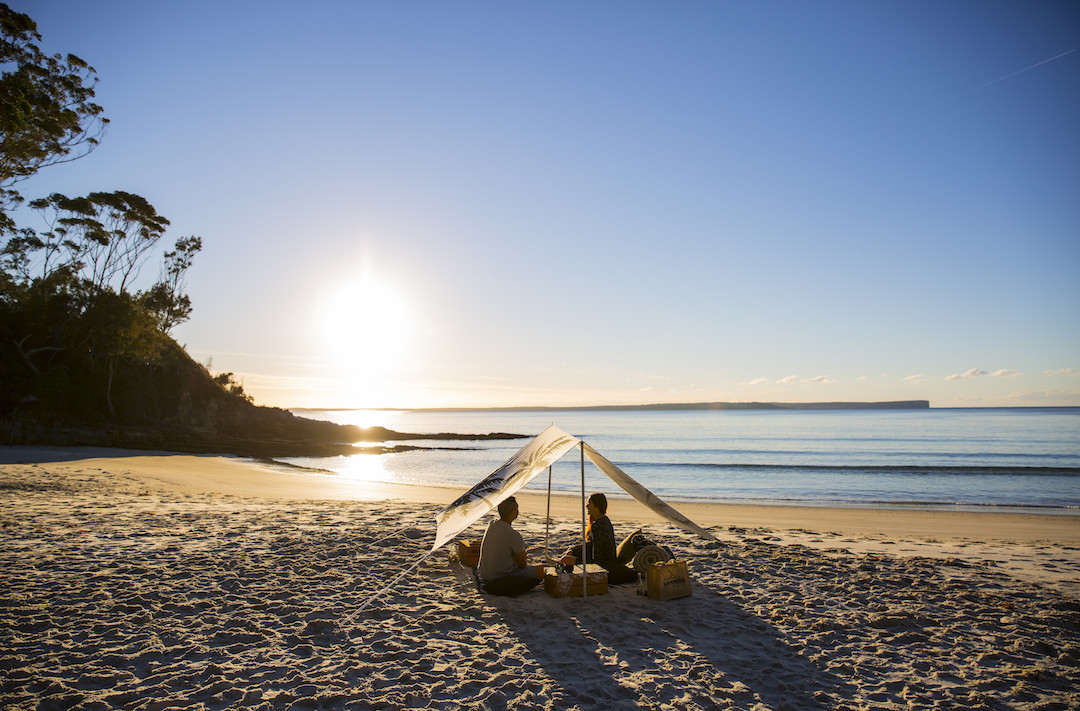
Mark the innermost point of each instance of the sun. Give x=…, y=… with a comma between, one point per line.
x=366, y=327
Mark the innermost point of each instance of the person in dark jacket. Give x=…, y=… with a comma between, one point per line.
x=600, y=545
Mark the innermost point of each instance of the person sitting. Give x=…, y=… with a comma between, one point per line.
x=504, y=567
x=600, y=544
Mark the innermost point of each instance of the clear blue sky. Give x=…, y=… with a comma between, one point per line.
x=610, y=202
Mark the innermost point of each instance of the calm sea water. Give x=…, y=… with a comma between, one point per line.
x=1005, y=457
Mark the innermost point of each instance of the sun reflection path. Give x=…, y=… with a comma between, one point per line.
x=366, y=467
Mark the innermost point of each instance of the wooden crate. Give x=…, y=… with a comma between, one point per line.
x=560, y=584
x=468, y=553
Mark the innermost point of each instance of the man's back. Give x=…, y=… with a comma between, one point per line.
x=497, y=550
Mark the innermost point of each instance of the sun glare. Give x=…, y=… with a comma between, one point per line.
x=366, y=467
x=366, y=327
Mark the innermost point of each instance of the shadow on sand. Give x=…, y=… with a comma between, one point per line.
x=23, y=454
x=621, y=650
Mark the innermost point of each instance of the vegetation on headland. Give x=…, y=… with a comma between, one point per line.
x=85, y=358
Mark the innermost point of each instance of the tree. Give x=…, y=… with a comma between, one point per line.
x=76, y=277
x=105, y=236
x=73, y=334
x=47, y=113
x=166, y=300
x=117, y=329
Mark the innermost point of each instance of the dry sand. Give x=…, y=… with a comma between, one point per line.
x=153, y=581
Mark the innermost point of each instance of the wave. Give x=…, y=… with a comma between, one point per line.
x=936, y=469
x=847, y=499
x=842, y=502
x=744, y=451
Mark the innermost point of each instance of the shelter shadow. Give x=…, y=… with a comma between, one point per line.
x=621, y=650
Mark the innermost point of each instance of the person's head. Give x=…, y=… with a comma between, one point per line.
x=598, y=502
x=508, y=508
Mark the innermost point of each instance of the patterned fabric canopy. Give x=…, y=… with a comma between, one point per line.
x=520, y=469
x=639, y=492
x=515, y=473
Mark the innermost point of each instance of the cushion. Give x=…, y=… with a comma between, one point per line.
x=626, y=550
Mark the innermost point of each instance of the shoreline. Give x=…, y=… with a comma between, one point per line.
x=918, y=506
x=253, y=478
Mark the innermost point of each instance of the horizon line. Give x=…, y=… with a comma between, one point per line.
x=712, y=405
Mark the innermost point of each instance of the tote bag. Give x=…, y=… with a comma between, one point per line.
x=667, y=581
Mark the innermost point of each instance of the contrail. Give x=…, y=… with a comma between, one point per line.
x=1020, y=71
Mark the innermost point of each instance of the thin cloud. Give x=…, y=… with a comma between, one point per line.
x=1064, y=371
x=791, y=380
x=1005, y=373
x=973, y=373
x=1019, y=71
x=1045, y=395
x=913, y=379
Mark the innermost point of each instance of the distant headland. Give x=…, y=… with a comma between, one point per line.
x=892, y=405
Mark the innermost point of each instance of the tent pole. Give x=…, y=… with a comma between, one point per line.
x=584, y=558
x=547, y=522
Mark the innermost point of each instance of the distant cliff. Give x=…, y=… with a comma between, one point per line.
x=893, y=405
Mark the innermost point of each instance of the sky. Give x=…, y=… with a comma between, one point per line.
x=472, y=204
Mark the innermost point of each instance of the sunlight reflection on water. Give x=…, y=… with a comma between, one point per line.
x=364, y=467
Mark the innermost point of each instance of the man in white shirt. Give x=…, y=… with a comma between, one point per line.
x=504, y=567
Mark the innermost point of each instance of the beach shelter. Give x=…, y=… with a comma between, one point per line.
x=539, y=454
x=517, y=471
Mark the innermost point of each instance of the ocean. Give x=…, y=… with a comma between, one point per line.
x=993, y=458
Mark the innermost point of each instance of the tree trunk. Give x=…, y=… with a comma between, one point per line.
x=111, y=363
x=27, y=356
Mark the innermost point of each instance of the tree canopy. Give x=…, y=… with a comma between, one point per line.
x=47, y=112
x=73, y=327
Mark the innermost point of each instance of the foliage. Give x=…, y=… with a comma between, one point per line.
x=103, y=236
x=47, y=112
x=228, y=383
x=166, y=299
x=73, y=331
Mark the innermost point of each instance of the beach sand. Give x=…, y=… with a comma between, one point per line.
x=152, y=581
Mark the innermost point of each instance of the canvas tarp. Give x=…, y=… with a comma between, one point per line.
x=643, y=495
x=515, y=473
x=520, y=469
